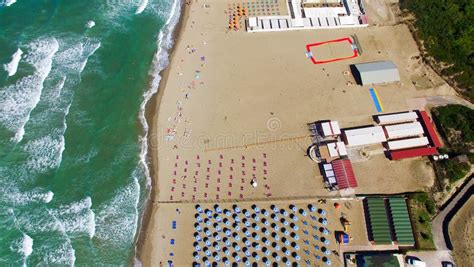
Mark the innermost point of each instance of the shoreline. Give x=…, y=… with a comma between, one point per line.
x=151, y=116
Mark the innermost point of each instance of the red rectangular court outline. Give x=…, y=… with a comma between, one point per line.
x=347, y=39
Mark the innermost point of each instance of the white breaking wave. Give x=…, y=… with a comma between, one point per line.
x=90, y=24
x=160, y=61
x=115, y=219
x=12, y=67
x=27, y=245
x=75, y=58
x=22, y=198
x=62, y=255
x=24, y=246
x=18, y=100
x=45, y=153
x=76, y=218
x=9, y=2
x=142, y=6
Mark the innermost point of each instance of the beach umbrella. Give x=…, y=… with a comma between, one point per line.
x=198, y=219
x=198, y=208
x=325, y=231
x=297, y=247
x=292, y=207
x=324, y=222
x=287, y=243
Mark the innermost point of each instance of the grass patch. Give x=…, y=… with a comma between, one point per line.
x=422, y=209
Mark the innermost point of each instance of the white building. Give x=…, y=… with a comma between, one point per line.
x=364, y=136
x=312, y=14
x=408, y=143
x=397, y=118
x=337, y=149
x=404, y=130
x=330, y=128
x=376, y=72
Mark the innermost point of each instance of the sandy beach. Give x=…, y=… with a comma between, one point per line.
x=235, y=106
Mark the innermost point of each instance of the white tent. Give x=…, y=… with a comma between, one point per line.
x=365, y=136
x=337, y=149
x=404, y=130
x=397, y=118
x=407, y=143
x=330, y=128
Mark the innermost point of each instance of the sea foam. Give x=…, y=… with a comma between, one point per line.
x=23, y=246
x=45, y=153
x=118, y=218
x=76, y=218
x=9, y=2
x=19, y=99
x=12, y=66
x=142, y=6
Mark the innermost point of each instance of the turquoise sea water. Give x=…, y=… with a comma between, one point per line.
x=72, y=174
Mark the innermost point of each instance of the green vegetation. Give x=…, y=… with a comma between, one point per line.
x=447, y=30
x=452, y=169
x=422, y=209
x=456, y=124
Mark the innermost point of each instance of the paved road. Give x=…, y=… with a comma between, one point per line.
x=437, y=224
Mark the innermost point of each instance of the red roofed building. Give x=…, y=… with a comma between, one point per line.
x=430, y=129
x=344, y=173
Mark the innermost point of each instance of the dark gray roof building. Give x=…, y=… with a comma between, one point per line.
x=375, y=72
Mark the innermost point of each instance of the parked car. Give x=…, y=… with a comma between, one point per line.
x=414, y=261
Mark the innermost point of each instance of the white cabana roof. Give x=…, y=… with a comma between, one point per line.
x=397, y=118
x=331, y=128
x=337, y=149
x=253, y=22
x=407, y=143
x=365, y=136
x=404, y=130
